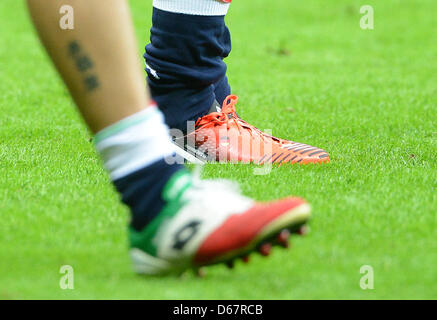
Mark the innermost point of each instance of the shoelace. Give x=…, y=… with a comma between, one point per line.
x=226, y=115
x=229, y=114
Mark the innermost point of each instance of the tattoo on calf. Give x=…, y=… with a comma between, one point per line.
x=84, y=65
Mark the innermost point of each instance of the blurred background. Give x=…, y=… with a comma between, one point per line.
x=306, y=70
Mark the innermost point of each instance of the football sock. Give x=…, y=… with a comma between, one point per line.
x=184, y=60
x=137, y=152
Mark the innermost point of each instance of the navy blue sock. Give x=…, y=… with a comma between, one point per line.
x=141, y=191
x=222, y=89
x=185, y=64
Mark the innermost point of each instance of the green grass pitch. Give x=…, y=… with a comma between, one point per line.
x=304, y=69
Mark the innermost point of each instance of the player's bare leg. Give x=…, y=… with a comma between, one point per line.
x=96, y=59
x=177, y=220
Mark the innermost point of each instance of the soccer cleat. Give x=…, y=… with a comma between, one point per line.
x=222, y=136
x=208, y=222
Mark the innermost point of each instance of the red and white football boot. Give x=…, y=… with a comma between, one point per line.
x=207, y=222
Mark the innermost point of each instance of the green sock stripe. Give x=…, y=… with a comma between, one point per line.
x=123, y=124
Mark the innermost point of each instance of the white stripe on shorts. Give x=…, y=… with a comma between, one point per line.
x=194, y=7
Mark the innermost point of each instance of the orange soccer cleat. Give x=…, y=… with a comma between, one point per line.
x=223, y=136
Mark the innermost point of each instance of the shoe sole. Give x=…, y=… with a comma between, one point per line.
x=189, y=157
x=292, y=221
x=197, y=157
